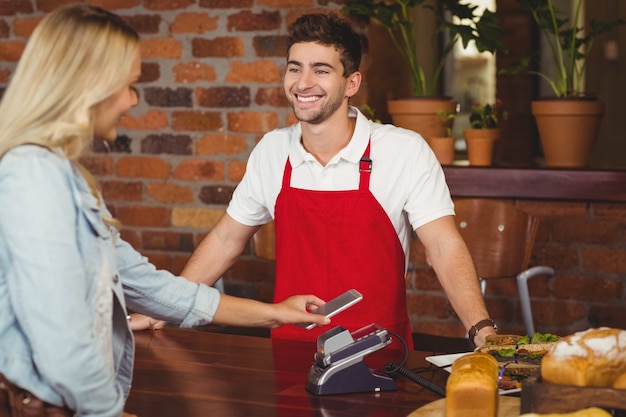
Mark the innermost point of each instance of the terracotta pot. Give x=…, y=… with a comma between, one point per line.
x=420, y=115
x=568, y=129
x=443, y=148
x=480, y=145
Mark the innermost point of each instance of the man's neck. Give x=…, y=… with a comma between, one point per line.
x=325, y=140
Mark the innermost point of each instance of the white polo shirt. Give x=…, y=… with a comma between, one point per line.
x=406, y=178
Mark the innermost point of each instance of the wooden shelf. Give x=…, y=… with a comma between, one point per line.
x=542, y=183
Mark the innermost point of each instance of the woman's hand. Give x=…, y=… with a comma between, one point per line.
x=141, y=322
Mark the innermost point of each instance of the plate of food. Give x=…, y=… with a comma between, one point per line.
x=519, y=357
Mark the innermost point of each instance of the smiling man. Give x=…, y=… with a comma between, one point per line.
x=344, y=193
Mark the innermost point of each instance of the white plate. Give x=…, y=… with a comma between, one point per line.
x=445, y=363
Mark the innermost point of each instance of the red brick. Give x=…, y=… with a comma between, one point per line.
x=270, y=45
x=607, y=315
x=424, y=279
x=194, y=23
x=546, y=209
x=196, y=121
x=5, y=30
x=161, y=261
x=98, y=165
x=252, y=122
x=450, y=328
x=557, y=313
x=431, y=306
x=11, y=51
x=142, y=167
x=122, y=191
x=152, y=120
x=167, y=4
x=246, y=20
x=258, y=72
x=227, y=4
x=605, y=259
x=286, y=3
x=194, y=71
x=559, y=257
x=161, y=48
x=115, y=4
x=166, y=192
x=131, y=237
x=572, y=229
x=14, y=7
x=223, y=97
x=5, y=74
x=236, y=169
x=144, y=216
x=271, y=96
x=221, y=143
x=49, y=5
x=197, y=169
x=166, y=240
x=589, y=287
x=225, y=47
x=144, y=24
x=25, y=27
x=615, y=211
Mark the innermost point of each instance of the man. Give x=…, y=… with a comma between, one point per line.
x=342, y=191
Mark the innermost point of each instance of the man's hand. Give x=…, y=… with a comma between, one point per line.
x=140, y=322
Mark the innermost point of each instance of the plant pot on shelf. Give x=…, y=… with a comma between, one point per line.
x=481, y=145
x=422, y=114
x=568, y=129
x=443, y=148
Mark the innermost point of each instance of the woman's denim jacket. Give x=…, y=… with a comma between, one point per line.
x=52, y=244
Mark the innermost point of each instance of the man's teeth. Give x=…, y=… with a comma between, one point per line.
x=308, y=99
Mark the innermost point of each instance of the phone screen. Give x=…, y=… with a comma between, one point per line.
x=336, y=305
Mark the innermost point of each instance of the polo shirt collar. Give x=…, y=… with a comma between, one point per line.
x=351, y=153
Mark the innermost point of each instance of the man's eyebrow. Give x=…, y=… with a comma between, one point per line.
x=312, y=65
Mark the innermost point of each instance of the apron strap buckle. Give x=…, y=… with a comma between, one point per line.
x=365, y=164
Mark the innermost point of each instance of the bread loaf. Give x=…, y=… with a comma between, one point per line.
x=594, y=357
x=472, y=387
x=620, y=382
x=587, y=412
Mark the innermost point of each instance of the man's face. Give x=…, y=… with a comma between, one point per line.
x=314, y=82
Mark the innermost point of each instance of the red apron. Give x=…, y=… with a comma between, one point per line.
x=328, y=242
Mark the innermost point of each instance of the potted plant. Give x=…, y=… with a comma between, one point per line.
x=443, y=146
x=484, y=132
x=577, y=113
x=455, y=20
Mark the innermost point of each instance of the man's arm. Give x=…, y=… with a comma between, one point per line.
x=448, y=254
x=218, y=251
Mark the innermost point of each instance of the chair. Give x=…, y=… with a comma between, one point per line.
x=500, y=238
x=264, y=242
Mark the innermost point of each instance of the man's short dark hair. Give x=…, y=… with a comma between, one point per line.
x=328, y=29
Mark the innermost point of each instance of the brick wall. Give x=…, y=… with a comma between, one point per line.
x=586, y=245
x=211, y=86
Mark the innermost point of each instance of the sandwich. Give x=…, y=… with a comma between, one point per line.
x=519, y=357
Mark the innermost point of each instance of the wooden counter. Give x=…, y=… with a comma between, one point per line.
x=191, y=373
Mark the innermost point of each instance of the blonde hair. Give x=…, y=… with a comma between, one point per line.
x=77, y=56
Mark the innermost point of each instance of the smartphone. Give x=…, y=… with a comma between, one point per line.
x=336, y=305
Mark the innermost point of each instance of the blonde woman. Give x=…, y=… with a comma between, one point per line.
x=66, y=276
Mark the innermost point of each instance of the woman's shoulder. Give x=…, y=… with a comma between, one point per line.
x=33, y=152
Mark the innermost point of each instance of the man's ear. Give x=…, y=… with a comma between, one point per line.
x=354, y=82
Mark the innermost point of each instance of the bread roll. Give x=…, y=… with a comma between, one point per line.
x=587, y=412
x=472, y=387
x=594, y=357
x=620, y=382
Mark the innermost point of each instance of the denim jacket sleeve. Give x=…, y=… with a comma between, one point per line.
x=160, y=294
x=46, y=284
